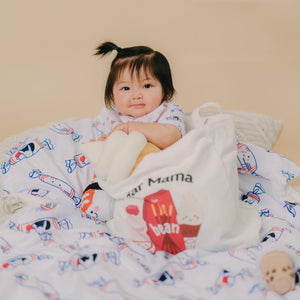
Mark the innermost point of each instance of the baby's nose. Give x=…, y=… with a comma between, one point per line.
x=137, y=94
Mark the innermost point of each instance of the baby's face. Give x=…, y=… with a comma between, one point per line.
x=137, y=96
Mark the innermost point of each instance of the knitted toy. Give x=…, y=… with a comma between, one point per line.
x=277, y=269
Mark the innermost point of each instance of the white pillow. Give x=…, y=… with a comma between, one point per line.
x=250, y=127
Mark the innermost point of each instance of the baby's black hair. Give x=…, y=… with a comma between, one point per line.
x=137, y=58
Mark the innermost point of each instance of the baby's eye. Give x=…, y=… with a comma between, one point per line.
x=125, y=88
x=147, y=86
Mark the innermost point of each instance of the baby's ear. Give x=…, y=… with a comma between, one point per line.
x=92, y=151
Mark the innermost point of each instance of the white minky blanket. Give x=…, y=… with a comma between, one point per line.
x=49, y=249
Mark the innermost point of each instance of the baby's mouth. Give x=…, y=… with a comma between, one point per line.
x=138, y=105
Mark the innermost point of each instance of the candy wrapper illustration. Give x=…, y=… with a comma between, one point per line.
x=159, y=213
x=246, y=160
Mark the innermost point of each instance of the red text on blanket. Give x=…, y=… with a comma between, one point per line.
x=159, y=213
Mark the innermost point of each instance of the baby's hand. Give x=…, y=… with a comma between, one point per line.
x=103, y=137
x=122, y=127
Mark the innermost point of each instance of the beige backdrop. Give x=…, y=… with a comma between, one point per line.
x=243, y=54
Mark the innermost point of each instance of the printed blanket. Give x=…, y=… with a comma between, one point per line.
x=50, y=250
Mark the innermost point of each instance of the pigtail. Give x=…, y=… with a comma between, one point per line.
x=106, y=47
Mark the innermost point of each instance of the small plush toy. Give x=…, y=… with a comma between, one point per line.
x=115, y=159
x=96, y=203
x=277, y=269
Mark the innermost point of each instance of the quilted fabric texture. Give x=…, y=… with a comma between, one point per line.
x=250, y=127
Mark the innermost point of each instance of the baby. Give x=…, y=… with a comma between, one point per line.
x=138, y=97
